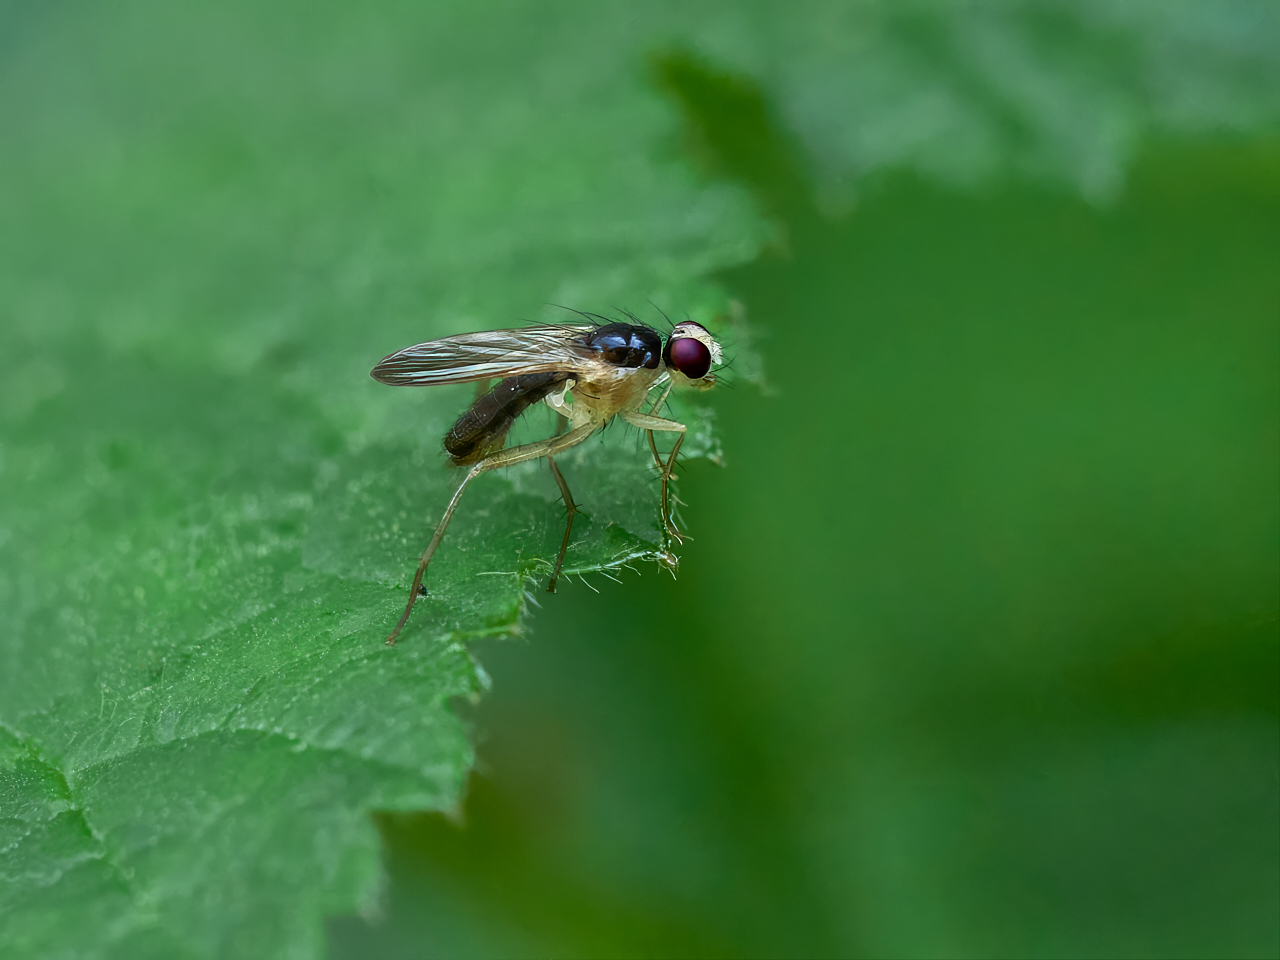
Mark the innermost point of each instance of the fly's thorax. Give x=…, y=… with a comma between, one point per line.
x=610, y=392
x=626, y=345
x=623, y=360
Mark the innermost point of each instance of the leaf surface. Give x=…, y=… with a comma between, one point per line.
x=210, y=513
x=215, y=220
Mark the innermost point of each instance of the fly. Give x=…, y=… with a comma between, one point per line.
x=586, y=373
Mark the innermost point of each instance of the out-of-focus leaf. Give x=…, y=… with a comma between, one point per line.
x=977, y=655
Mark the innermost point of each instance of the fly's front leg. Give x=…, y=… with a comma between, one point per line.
x=662, y=398
x=652, y=424
x=503, y=458
x=665, y=469
x=653, y=447
x=653, y=411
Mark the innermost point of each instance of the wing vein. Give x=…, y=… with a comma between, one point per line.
x=487, y=355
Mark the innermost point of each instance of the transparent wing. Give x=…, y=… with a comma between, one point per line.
x=488, y=354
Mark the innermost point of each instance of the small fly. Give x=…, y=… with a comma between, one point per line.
x=588, y=373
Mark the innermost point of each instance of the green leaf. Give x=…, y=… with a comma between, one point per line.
x=976, y=652
x=215, y=219
x=209, y=513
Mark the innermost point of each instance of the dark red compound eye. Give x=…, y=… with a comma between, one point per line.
x=690, y=356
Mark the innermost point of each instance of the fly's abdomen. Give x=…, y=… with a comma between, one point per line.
x=483, y=428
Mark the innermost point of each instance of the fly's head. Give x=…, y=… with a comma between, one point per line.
x=689, y=356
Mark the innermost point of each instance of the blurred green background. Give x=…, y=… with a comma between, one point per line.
x=974, y=650
x=974, y=653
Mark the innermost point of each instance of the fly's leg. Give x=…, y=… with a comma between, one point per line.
x=562, y=422
x=662, y=398
x=417, y=587
x=653, y=445
x=568, y=527
x=652, y=424
x=657, y=457
x=503, y=458
x=653, y=412
x=665, y=468
x=666, y=482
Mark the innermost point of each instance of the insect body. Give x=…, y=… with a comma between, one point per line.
x=587, y=373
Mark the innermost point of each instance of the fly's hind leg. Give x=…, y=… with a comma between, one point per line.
x=427, y=554
x=503, y=458
x=652, y=424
